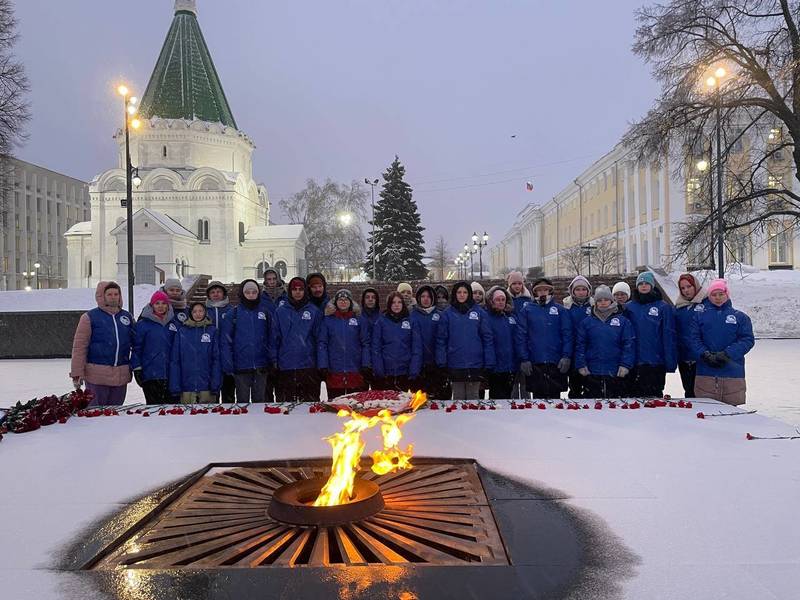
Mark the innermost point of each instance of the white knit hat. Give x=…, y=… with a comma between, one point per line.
x=622, y=286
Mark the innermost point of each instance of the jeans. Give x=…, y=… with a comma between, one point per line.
x=251, y=385
x=466, y=390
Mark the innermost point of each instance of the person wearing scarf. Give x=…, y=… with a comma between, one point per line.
x=152, y=348
x=433, y=380
x=274, y=290
x=579, y=305
x=465, y=343
x=442, y=298
x=343, y=350
x=396, y=347
x=508, y=341
x=317, y=287
x=688, y=302
x=217, y=306
x=177, y=298
x=605, y=349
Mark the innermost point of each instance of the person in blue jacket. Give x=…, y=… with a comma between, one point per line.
x=152, y=349
x=433, y=380
x=508, y=342
x=579, y=305
x=442, y=298
x=605, y=348
x=274, y=289
x=721, y=336
x=370, y=305
x=515, y=283
x=656, y=350
x=465, y=343
x=318, y=290
x=177, y=298
x=245, y=343
x=396, y=347
x=195, y=365
x=547, y=352
x=217, y=304
x=343, y=348
x=294, y=343
x=690, y=297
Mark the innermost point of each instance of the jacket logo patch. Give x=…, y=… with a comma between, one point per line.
x=262, y=316
x=473, y=316
x=281, y=303
x=172, y=327
x=553, y=310
x=205, y=338
x=306, y=316
x=512, y=321
x=731, y=319
x=614, y=322
x=405, y=325
x=699, y=308
x=435, y=317
x=653, y=312
x=181, y=317
x=588, y=310
x=353, y=322
x=124, y=320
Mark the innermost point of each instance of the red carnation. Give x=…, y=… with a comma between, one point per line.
x=598, y=405
x=749, y=437
x=701, y=415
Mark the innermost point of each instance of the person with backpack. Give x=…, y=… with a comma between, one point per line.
x=195, y=365
x=396, y=346
x=654, y=324
x=579, y=305
x=465, y=343
x=344, y=347
x=689, y=301
x=217, y=305
x=294, y=343
x=605, y=348
x=508, y=342
x=246, y=343
x=152, y=349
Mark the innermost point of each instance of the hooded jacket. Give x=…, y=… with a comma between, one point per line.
x=464, y=338
x=152, y=346
x=507, y=333
x=371, y=314
x=245, y=340
x=548, y=332
x=274, y=297
x=344, y=344
x=179, y=306
x=721, y=328
x=396, y=345
x=214, y=310
x=684, y=314
x=520, y=300
x=603, y=346
x=295, y=333
x=427, y=319
x=195, y=364
x=654, y=325
x=102, y=344
x=321, y=302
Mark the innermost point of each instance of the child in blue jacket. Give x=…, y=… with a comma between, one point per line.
x=195, y=368
x=396, y=347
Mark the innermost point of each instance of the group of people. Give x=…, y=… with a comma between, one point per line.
x=281, y=341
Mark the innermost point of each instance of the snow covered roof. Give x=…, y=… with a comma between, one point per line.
x=272, y=232
x=82, y=228
x=166, y=222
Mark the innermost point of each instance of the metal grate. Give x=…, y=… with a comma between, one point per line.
x=435, y=514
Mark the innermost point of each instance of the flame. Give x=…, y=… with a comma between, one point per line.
x=348, y=447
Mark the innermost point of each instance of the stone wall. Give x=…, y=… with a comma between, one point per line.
x=38, y=334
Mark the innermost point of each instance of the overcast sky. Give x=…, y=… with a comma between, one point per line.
x=337, y=88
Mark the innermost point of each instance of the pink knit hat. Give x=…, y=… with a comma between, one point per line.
x=514, y=277
x=159, y=296
x=719, y=285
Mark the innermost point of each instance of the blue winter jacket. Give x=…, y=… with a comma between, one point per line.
x=272, y=305
x=508, y=341
x=520, y=302
x=654, y=325
x=718, y=328
x=464, y=340
x=195, y=364
x=604, y=346
x=214, y=313
x=577, y=313
x=396, y=347
x=294, y=336
x=684, y=315
x=344, y=344
x=547, y=331
x=152, y=348
x=245, y=341
x=428, y=323
x=112, y=337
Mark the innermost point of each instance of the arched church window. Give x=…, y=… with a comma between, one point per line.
x=163, y=152
x=89, y=269
x=203, y=230
x=178, y=267
x=280, y=266
x=262, y=266
x=241, y=232
x=184, y=264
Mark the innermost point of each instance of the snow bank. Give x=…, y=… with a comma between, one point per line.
x=67, y=299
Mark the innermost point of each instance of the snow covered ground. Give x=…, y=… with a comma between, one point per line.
x=772, y=380
x=67, y=299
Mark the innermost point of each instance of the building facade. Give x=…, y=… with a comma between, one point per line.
x=619, y=215
x=37, y=206
x=198, y=208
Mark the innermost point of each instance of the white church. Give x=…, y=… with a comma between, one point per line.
x=197, y=208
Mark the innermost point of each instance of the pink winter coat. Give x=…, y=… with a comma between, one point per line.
x=96, y=374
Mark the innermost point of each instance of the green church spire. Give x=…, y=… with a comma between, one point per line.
x=184, y=83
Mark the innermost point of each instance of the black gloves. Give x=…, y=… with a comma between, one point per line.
x=137, y=375
x=715, y=359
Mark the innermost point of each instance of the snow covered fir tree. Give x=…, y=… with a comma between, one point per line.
x=398, y=244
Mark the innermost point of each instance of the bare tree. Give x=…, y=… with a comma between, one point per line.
x=332, y=215
x=14, y=107
x=605, y=256
x=758, y=43
x=442, y=259
x=571, y=259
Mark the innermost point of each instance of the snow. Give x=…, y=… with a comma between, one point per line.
x=67, y=299
x=709, y=514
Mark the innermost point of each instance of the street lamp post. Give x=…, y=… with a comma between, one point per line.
x=372, y=184
x=715, y=82
x=129, y=104
x=480, y=243
x=587, y=252
x=703, y=165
